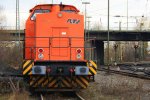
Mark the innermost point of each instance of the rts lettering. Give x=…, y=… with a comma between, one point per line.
x=73, y=21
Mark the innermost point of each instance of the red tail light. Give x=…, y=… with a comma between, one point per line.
x=41, y=50
x=48, y=70
x=79, y=51
x=71, y=70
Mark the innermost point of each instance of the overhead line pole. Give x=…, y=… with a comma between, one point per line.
x=16, y=17
x=18, y=31
x=108, y=40
x=85, y=35
x=85, y=3
x=88, y=37
x=89, y=26
x=17, y=22
x=127, y=15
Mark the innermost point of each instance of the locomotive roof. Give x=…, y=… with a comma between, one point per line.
x=54, y=5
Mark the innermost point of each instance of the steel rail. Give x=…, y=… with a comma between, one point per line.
x=126, y=73
x=78, y=96
x=41, y=97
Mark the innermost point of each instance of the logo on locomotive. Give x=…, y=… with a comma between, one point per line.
x=73, y=21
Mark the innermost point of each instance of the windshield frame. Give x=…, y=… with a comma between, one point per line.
x=38, y=11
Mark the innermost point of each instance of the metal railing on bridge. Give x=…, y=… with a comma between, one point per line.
x=11, y=27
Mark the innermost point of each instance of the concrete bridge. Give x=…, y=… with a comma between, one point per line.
x=100, y=36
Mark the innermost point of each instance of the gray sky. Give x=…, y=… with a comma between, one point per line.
x=97, y=9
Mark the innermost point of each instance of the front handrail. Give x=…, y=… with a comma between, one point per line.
x=34, y=47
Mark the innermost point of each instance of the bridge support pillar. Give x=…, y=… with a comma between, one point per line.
x=99, y=52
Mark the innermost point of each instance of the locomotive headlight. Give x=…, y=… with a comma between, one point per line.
x=81, y=70
x=78, y=56
x=40, y=56
x=60, y=15
x=41, y=70
x=37, y=69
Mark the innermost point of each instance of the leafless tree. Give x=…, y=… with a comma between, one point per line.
x=2, y=18
x=97, y=26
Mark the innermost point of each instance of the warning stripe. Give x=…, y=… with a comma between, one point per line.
x=27, y=67
x=31, y=82
x=71, y=81
x=53, y=82
x=80, y=83
x=46, y=82
x=40, y=82
x=49, y=81
x=32, y=79
x=68, y=80
x=90, y=72
x=83, y=81
x=26, y=63
x=55, y=85
x=36, y=81
x=86, y=78
x=66, y=83
x=62, y=85
x=94, y=64
x=27, y=70
x=93, y=68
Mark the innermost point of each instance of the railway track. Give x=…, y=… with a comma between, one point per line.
x=79, y=97
x=72, y=96
x=130, y=74
x=41, y=97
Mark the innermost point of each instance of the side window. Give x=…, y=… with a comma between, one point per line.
x=69, y=11
x=38, y=11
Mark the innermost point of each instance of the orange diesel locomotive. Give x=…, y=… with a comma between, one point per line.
x=54, y=49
